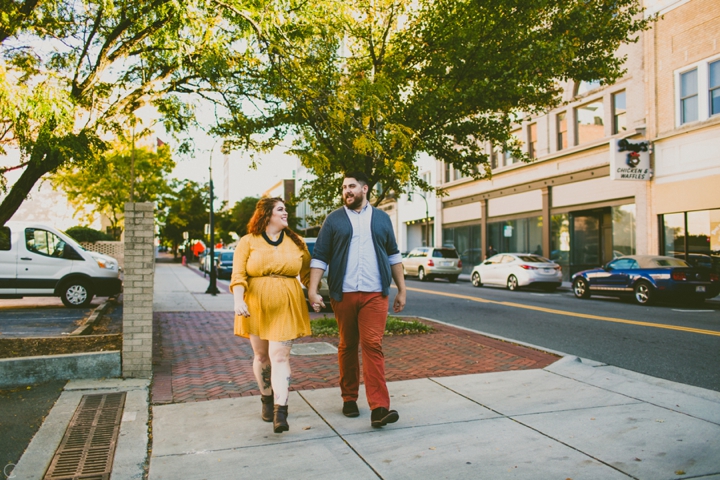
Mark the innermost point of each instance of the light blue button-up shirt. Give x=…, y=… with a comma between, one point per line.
x=362, y=273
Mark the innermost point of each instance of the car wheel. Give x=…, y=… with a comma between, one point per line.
x=644, y=294
x=76, y=294
x=421, y=275
x=453, y=278
x=475, y=279
x=580, y=288
x=512, y=283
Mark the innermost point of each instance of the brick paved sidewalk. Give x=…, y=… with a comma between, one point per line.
x=196, y=357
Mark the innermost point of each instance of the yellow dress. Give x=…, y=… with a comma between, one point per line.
x=273, y=294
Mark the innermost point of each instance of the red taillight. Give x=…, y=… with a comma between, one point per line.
x=459, y=263
x=431, y=263
x=679, y=276
x=558, y=268
x=714, y=277
x=528, y=267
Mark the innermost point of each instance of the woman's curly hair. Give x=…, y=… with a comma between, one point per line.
x=261, y=218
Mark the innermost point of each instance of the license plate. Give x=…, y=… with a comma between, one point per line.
x=547, y=270
x=700, y=289
x=445, y=264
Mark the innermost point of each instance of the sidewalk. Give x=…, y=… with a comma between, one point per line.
x=530, y=415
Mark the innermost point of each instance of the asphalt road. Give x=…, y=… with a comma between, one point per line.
x=41, y=322
x=673, y=342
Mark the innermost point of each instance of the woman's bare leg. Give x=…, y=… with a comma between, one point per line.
x=261, y=364
x=280, y=359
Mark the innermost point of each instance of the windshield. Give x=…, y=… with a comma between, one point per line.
x=226, y=257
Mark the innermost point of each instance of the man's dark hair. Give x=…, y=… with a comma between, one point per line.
x=359, y=176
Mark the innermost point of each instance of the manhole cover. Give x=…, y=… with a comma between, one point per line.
x=315, y=348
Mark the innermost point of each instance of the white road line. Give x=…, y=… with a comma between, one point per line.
x=692, y=311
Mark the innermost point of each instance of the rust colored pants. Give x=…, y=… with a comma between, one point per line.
x=361, y=321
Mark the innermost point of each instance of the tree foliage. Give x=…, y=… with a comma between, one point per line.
x=73, y=72
x=187, y=210
x=235, y=219
x=368, y=84
x=104, y=186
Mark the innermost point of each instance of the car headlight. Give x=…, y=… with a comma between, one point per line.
x=102, y=263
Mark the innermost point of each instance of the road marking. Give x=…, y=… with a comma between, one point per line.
x=570, y=314
x=692, y=311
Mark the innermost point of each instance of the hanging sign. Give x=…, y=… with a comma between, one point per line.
x=630, y=160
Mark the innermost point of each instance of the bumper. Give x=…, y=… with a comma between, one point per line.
x=439, y=271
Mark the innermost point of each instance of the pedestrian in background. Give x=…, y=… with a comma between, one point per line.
x=270, y=306
x=357, y=244
x=491, y=252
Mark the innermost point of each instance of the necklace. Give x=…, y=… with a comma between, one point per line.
x=276, y=242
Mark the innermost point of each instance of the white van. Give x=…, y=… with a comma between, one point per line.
x=39, y=261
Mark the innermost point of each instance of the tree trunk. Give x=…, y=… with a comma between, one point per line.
x=34, y=170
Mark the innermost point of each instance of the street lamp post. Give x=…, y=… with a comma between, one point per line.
x=212, y=287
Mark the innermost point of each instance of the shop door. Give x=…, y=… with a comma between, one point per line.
x=590, y=240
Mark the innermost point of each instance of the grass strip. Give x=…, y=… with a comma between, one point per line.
x=327, y=327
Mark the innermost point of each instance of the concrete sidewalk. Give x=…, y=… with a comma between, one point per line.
x=573, y=419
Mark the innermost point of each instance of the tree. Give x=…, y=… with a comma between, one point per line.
x=235, y=220
x=187, y=210
x=369, y=84
x=75, y=72
x=106, y=184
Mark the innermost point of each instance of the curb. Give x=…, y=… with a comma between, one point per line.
x=94, y=317
x=15, y=372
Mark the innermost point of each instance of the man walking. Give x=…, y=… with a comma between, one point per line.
x=357, y=244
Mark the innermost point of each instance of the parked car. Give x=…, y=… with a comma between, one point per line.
x=324, y=290
x=224, y=264
x=428, y=263
x=516, y=270
x=206, y=260
x=647, y=278
x=39, y=261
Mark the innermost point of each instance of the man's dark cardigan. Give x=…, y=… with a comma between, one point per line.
x=333, y=243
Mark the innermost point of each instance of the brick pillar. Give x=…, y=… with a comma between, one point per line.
x=138, y=290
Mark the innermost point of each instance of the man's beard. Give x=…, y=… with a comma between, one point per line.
x=356, y=202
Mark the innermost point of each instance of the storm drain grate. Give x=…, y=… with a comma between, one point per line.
x=88, y=447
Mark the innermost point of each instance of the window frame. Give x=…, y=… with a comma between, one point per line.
x=562, y=134
x=615, y=114
x=532, y=143
x=601, y=101
x=696, y=95
x=703, y=88
x=711, y=88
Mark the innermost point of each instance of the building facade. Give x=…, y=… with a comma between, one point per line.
x=683, y=71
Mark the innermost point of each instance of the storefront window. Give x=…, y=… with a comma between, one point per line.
x=466, y=241
x=674, y=227
x=560, y=248
x=523, y=235
x=623, y=229
x=700, y=231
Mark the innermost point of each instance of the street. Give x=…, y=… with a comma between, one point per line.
x=674, y=342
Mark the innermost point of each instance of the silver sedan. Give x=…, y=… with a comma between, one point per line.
x=515, y=270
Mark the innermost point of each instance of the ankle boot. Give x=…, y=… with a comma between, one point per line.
x=267, y=408
x=280, y=421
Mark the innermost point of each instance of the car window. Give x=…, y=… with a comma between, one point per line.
x=226, y=257
x=507, y=259
x=494, y=259
x=44, y=243
x=670, y=262
x=4, y=238
x=310, y=247
x=445, y=253
x=533, y=259
x=624, y=264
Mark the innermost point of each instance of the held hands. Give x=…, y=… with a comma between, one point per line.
x=399, y=303
x=316, y=301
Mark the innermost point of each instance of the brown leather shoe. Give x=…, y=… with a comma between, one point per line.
x=280, y=421
x=267, y=408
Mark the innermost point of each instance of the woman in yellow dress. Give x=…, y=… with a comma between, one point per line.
x=270, y=306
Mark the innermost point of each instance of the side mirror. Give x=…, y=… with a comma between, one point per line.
x=608, y=267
